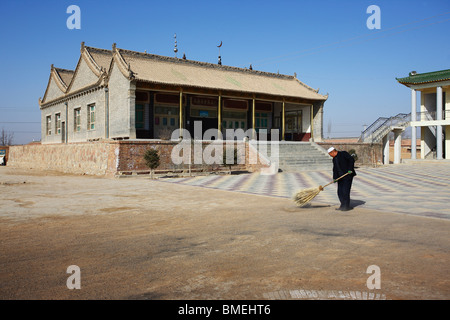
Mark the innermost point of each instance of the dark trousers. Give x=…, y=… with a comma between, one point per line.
x=343, y=191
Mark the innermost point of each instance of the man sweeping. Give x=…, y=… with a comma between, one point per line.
x=343, y=163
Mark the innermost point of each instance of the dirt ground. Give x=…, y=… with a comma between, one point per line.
x=137, y=238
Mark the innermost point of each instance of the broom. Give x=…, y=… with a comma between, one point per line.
x=304, y=196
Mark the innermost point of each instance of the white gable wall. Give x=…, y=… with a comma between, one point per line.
x=83, y=77
x=53, y=91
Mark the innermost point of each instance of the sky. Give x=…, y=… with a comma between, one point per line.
x=326, y=43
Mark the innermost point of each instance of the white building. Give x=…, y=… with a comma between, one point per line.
x=123, y=94
x=433, y=117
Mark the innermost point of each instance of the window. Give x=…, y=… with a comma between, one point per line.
x=91, y=117
x=77, y=120
x=234, y=119
x=58, y=123
x=49, y=125
x=294, y=121
x=262, y=120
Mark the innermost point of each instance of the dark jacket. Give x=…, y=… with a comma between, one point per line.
x=342, y=163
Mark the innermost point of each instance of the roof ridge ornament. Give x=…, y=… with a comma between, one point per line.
x=130, y=72
x=175, y=49
x=220, y=57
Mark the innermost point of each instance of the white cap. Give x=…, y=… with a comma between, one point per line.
x=330, y=149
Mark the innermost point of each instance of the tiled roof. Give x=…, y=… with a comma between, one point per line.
x=427, y=77
x=65, y=75
x=188, y=73
x=183, y=73
x=102, y=57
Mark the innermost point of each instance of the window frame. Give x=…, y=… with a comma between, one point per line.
x=77, y=120
x=58, y=123
x=91, y=117
x=48, y=121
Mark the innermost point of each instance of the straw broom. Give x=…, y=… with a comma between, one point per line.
x=304, y=196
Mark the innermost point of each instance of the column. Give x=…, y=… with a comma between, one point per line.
x=132, y=111
x=312, y=122
x=219, y=116
x=283, y=122
x=253, y=119
x=439, y=127
x=446, y=116
x=386, y=149
x=181, y=113
x=413, y=128
x=397, y=145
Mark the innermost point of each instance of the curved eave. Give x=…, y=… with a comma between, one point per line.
x=98, y=85
x=59, y=83
x=93, y=66
x=123, y=66
x=421, y=82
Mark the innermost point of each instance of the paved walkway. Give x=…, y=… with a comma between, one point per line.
x=418, y=189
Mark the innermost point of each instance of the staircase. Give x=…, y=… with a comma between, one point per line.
x=382, y=126
x=299, y=156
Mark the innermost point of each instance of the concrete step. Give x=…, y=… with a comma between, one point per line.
x=306, y=168
x=302, y=162
x=299, y=156
x=303, y=156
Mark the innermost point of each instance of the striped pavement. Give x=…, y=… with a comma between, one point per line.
x=322, y=295
x=419, y=189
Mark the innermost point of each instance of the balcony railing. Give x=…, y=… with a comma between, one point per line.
x=431, y=115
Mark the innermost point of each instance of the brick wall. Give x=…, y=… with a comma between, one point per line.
x=132, y=157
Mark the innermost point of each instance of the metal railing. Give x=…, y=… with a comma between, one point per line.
x=382, y=126
x=372, y=128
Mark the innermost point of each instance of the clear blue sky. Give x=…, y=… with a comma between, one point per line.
x=327, y=43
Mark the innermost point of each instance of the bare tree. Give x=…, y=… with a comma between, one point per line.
x=6, y=138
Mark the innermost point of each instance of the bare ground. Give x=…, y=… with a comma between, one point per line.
x=136, y=238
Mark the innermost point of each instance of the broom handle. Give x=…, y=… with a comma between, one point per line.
x=336, y=179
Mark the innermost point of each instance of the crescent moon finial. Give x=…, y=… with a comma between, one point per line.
x=219, y=44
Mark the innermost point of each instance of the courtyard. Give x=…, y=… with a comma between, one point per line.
x=225, y=237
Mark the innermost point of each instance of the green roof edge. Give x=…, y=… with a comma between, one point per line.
x=426, y=77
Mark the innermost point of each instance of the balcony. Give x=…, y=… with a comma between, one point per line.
x=429, y=118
